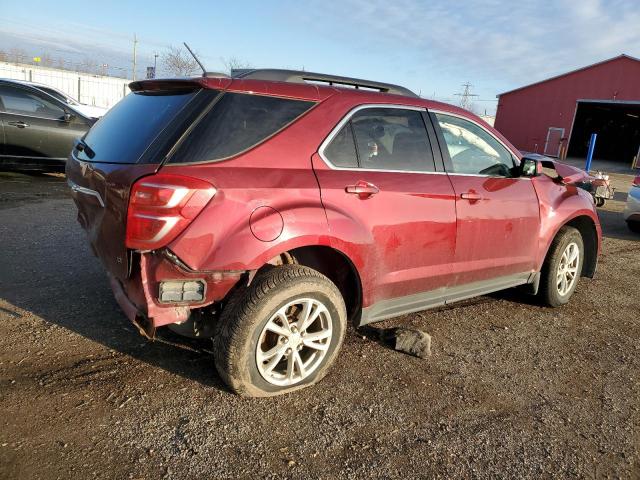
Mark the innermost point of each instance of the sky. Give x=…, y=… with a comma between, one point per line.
x=431, y=47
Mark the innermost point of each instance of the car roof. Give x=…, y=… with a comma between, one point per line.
x=32, y=84
x=293, y=84
x=295, y=89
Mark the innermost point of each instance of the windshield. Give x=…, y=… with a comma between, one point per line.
x=132, y=125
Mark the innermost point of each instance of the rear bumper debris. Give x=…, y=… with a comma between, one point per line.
x=138, y=294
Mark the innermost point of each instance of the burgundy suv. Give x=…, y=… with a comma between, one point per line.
x=269, y=209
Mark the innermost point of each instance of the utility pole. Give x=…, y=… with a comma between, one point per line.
x=466, y=96
x=135, y=59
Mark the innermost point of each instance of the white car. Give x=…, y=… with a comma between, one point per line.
x=90, y=111
x=632, y=209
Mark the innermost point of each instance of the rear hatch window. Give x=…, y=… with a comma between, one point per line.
x=132, y=125
x=236, y=123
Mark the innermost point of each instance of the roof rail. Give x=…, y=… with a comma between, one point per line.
x=299, y=76
x=215, y=75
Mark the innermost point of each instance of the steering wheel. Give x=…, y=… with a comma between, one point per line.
x=473, y=161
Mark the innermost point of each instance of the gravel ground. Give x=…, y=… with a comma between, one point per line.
x=511, y=390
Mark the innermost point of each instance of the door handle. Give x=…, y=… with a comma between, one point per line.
x=362, y=189
x=471, y=196
x=18, y=124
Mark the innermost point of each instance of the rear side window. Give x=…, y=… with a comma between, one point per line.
x=383, y=139
x=235, y=123
x=132, y=125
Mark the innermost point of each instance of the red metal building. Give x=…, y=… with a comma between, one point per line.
x=557, y=116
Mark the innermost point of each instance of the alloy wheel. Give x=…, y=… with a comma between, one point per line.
x=568, y=269
x=294, y=342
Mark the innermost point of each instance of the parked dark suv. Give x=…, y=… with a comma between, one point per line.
x=267, y=210
x=37, y=130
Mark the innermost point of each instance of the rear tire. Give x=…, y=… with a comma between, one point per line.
x=634, y=226
x=281, y=333
x=562, y=267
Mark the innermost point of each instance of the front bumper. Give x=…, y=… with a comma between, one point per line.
x=138, y=294
x=632, y=209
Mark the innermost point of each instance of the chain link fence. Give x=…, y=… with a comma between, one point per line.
x=90, y=89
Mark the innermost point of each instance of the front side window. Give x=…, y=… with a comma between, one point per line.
x=235, y=123
x=23, y=102
x=385, y=139
x=58, y=95
x=472, y=149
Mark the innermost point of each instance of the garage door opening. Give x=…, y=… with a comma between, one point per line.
x=617, y=125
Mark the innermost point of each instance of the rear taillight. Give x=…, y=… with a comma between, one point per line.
x=636, y=181
x=161, y=206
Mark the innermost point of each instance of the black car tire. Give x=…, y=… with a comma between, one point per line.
x=549, y=293
x=633, y=226
x=244, y=318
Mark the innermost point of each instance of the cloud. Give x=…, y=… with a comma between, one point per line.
x=516, y=42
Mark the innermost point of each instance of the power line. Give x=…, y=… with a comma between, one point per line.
x=135, y=59
x=466, y=96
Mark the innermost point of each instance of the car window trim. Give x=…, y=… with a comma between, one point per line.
x=347, y=118
x=33, y=116
x=445, y=151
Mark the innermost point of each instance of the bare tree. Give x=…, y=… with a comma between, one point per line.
x=86, y=66
x=46, y=60
x=18, y=55
x=234, y=63
x=177, y=61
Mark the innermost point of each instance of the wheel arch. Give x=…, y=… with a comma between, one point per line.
x=590, y=237
x=333, y=264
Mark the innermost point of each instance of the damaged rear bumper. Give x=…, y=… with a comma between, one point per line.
x=138, y=294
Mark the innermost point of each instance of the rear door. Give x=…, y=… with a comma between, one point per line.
x=126, y=144
x=35, y=126
x=498, y=220
x=385, y=200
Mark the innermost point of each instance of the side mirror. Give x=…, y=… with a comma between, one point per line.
x=68, y=116
x=530, y=167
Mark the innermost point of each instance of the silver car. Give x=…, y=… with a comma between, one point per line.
x=632, y=210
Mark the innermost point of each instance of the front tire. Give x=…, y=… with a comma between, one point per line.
x=633, y=226
x=281, y=333
x=562, y=267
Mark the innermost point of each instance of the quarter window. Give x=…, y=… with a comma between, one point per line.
x=236, y=123
x=385, y=139
x=472, y=149
x=22, y=102
x=342, y=149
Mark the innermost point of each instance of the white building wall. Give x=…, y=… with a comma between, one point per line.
x=98, y=90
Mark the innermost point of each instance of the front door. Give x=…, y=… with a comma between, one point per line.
x=497, y=215
x=35, y=127
x=386, y=205
x=553, y=142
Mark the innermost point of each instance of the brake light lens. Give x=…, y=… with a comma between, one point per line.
x=161, y=206
x=636, y=181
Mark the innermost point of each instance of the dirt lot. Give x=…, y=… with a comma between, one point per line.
x=512, y=389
